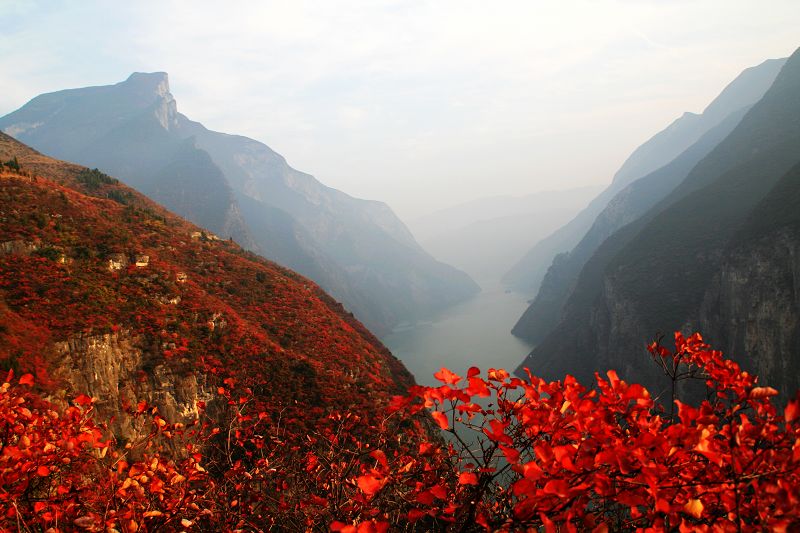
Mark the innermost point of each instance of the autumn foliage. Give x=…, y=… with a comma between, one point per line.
x=517, y=454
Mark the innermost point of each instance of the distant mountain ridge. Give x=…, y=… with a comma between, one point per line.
x=527, y=275
x=358, y=250
x=715, y=255
x=485, y=237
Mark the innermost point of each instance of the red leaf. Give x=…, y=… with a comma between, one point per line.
x=497, y=432
x=445, y=376
x=379, y=456
x=425, y=498
x=426, y=448
x=662, y=505
x=532, y=471
x=439, y=491
x=763, y=392
x=43, y=471
x=441, y=419
x=27, y=379
x=82, y=399
x=373, y=527
x=792, y=410
x=469, y=408
x=468, y=478
x=694, y=508
x=370, y=484
x=497, y=374
x=478, y=387
x=512, y=455
x=559, y=487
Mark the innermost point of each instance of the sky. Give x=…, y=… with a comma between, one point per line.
x=421, y=104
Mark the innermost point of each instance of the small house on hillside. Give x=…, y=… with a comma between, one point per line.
x=117, y=262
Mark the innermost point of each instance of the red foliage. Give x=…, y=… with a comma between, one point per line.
x=542, y=454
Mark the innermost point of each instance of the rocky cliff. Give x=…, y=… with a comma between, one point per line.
x=752, y=305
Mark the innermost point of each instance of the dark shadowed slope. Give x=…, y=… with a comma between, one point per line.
x=655, y=273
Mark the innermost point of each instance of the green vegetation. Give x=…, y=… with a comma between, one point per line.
x=13, y=164
x=93, y=178
x=120, y=196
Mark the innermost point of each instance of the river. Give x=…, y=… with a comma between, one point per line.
x=474, y=333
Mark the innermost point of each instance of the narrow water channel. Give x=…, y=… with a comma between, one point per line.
x=474, y=333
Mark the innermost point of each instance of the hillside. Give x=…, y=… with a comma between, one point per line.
x=527, y=275
x=357, y=250
x=655, y=273
x=104, y=292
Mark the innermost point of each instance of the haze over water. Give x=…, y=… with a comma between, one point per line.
x=474, y=333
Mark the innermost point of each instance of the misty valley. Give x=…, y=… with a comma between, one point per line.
x=464, y=322
x=472, y=333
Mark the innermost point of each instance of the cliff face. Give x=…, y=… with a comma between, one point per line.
x=752, y=306
x=713, y=256
x=237, y=187
x=104, y=292
x=114, y=368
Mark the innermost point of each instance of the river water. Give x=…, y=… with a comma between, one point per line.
x=474, y=333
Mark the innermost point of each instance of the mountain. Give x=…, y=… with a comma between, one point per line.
x=237, y=187
x=712, y=249
x=527, y=275
x=629, y=204
x=104, y=292
x=497, y=228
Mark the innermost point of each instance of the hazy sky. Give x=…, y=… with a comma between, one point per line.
x=421, y=104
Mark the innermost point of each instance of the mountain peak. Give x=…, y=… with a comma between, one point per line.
x=149, y=85
x=157, y=82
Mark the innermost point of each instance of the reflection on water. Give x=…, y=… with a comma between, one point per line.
x=474, y=333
